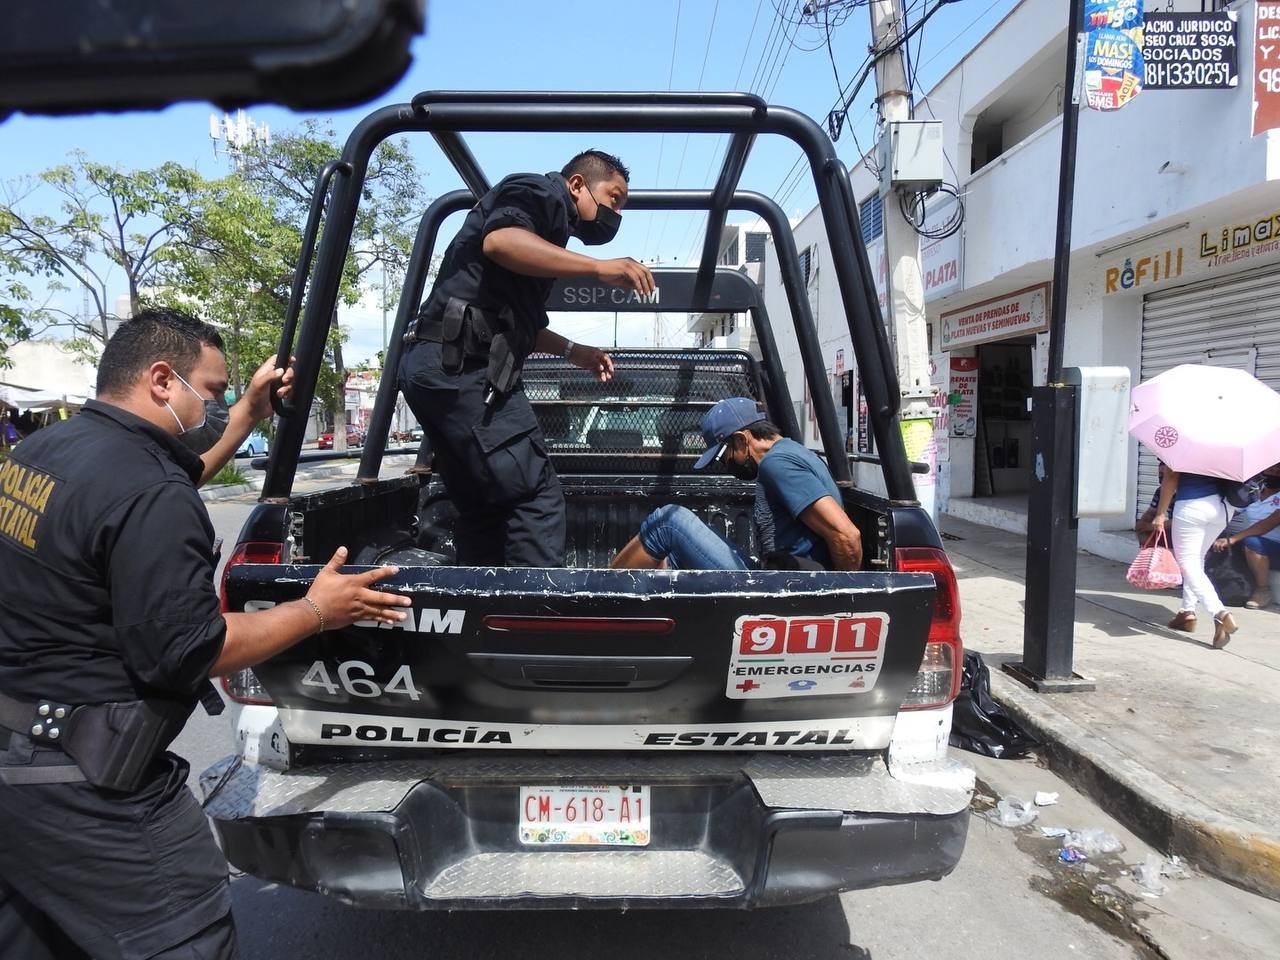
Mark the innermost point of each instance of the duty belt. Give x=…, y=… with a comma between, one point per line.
x=451, y=326
x=113, y=745
x=44, y=722
x=467, y=332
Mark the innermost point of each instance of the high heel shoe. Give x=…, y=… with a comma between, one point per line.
x=1184, y=620
x=1224, y=627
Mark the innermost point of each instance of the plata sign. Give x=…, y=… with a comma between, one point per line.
x=1190, y=51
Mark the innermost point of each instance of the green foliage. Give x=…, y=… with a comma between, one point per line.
x=241, y=253
x=229, y=474
x=107, y=219
x=226, y=249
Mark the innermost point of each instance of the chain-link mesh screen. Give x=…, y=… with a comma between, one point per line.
x=647, y=419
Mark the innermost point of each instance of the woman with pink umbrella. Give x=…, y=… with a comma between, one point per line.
x=1199, y=514
x=1206, y=424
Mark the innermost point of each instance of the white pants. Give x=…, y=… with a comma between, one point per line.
x=1195, y=524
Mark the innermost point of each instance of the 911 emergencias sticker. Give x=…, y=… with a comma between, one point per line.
x=806, y=656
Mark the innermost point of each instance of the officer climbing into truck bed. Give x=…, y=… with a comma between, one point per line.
x=485, y=314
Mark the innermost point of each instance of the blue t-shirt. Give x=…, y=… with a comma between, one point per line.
x=1194, y=485
x=792, y=478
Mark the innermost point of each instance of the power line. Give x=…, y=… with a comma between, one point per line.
x=750, y=37
x=764, y=51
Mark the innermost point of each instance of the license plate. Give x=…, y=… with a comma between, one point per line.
x=584, y=816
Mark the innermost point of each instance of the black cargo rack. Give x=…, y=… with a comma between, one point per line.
x=447, y=115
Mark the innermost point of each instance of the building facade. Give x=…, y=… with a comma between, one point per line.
x=1175, y=254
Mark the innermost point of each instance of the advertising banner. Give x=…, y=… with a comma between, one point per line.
x=1013, y=315
x=1266, y=68
x=964, y=391
x=866, y=443
x=1113, y=66
x=1190, y=51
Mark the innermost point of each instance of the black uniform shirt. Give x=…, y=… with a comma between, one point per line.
x=107, y=559
x=541, y=204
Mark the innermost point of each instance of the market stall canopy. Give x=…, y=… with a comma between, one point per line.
x=38, y=401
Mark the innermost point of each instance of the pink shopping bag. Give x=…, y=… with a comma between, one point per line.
x=1155, y=568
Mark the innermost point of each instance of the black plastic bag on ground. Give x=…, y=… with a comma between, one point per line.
x=980, y=724
x=1229, y=573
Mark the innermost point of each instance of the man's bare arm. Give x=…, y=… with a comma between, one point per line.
x=523, y=251
x=250, y=410
x=827, y=519
x=335, y=600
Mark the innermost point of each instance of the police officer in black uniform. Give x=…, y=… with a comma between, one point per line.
x=109, y=633
x=486, y=313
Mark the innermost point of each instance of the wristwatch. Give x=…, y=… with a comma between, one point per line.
x=568, y=348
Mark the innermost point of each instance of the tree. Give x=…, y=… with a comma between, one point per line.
x=15, y=316
x=108, y=218
x=243, y=244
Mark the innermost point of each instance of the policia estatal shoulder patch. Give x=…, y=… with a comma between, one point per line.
x=24, y=494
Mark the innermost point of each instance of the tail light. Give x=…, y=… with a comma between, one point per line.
x=938, y=681
x=244, y=687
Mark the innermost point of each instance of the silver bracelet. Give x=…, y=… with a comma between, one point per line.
x=568, y=348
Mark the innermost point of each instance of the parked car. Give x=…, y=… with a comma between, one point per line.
x=354, y=439
x=254, y=445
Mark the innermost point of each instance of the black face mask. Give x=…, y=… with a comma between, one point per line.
x=201, y=438
x=600, y=230
x=748, y=469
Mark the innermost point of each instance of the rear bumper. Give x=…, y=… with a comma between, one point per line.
x=733, y=832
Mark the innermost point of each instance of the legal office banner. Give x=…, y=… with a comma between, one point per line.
x=1190, y=51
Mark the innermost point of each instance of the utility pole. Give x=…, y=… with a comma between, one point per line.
x=1048, y=637
x=908, y=329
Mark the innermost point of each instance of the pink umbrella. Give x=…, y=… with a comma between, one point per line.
x=1216, y=421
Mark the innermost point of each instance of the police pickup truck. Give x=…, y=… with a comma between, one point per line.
x=586, y=736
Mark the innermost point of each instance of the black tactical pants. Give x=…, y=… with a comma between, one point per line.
x=492, y=461
x=92, y=873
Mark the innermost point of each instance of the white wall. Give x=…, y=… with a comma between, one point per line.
x=1150, y=180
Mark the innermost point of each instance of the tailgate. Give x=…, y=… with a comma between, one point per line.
x=604, y=660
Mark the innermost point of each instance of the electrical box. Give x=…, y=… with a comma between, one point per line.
x=1102, y=435
x=911, y=154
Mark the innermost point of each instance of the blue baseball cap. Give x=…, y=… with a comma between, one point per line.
x=722, y=421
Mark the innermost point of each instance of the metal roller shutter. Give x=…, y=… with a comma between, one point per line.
x=1230, y=322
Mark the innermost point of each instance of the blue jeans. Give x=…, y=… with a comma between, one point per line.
x=1265, y=546
x=675, y=534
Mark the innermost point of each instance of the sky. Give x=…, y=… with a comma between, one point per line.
x=761, y=46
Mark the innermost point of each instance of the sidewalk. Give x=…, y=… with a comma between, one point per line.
x=394, y=462
x=1179, y=741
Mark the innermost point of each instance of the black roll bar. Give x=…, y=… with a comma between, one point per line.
x=735, y=159
x=733, y=114
x=300, y=275
x=415, y=281
x=464, y=161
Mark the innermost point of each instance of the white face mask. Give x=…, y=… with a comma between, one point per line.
x=210, y=429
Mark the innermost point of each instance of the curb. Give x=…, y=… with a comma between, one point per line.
x=228, y=490
x=1229, y=848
